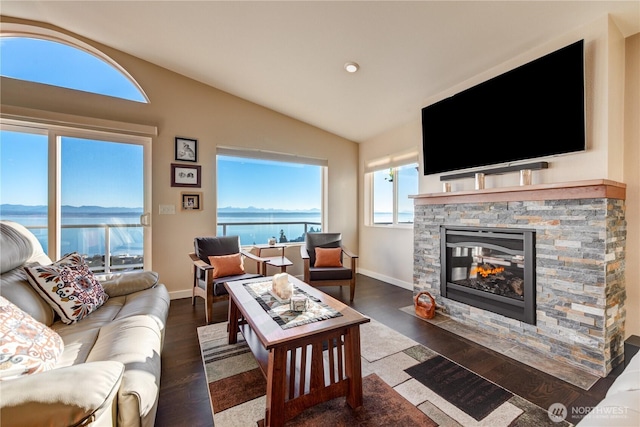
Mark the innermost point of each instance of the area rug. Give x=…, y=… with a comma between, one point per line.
x=397, y=386
x=536, y=359
x=473, y=394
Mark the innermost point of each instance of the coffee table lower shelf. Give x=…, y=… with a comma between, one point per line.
x=259, y=352
x=304, y=365
x=321, y=376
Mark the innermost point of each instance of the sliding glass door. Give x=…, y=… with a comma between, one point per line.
x=23, y=181
x=79, y=191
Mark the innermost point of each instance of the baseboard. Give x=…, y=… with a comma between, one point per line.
x=387, y=279
x=180, y=294
x=186, y=293
x=631, y=347
x=401, y=284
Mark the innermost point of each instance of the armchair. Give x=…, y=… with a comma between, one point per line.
x=322, y=255
x=217, y=260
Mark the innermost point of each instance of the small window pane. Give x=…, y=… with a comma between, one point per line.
x=58, y=64
x=262, y=199
x=102, y=197
x=383, y=196
x=23, y=182
x=407, y=185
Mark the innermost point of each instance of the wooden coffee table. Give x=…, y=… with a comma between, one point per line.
x=299, y=372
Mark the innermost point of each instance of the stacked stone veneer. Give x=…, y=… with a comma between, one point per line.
x=580, y=260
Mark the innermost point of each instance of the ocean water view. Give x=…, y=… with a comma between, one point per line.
x=86, y=232
x=95, y=231
x=259, y=227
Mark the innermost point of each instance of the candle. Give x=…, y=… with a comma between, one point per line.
x=281, y=286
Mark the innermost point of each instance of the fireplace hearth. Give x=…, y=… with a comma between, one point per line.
x=490, y=268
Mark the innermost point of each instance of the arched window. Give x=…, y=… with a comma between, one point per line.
x=61, y=175
x=57, y=63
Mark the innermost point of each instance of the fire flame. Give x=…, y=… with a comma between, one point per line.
x=484, y=272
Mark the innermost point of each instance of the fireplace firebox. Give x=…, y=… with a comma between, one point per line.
x=490, y=268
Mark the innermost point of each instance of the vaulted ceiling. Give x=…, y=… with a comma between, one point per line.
x=289, y=55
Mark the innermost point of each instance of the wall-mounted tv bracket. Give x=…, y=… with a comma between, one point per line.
x=496, y=171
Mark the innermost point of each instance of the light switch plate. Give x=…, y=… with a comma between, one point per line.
x=167, y=209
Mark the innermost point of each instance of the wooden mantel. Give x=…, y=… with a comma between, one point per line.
x=589, y=189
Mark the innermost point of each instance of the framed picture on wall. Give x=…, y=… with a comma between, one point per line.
x=191, y=201
x=185, y=176
x=186, y=149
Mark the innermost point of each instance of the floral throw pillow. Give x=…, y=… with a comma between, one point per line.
x=69, y=286
x=26, y=345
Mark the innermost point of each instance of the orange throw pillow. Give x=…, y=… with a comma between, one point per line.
x=328, y=257
x=226, y=265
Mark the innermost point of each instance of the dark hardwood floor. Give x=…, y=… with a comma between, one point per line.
x=184, y=399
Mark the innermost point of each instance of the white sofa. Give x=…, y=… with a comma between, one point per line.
x=106, y=373
x=621, y=405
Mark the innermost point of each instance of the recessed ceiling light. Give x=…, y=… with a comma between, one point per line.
x=351, y=67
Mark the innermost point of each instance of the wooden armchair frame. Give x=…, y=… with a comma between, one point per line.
x=304, y=254
x=206, y=293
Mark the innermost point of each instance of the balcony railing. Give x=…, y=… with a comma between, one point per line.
x=260, y=232
x=93, y=241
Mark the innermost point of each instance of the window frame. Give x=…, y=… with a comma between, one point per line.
x=390, y=163
x=263, y=155
x=17, y=30
x=55, y=127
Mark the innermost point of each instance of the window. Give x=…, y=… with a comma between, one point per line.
x=77, y=187
x=59, y=64
x=263, y=196
x=23, y=181
x=99, y=192
x=390, y=188
x=102, y=196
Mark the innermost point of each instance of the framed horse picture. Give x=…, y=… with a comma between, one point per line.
x=186, y=149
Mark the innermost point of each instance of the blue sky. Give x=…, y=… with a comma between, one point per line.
x=106, y=174
x=284, y=179
x=58, y=64
x=93, y=172
x=407, y=185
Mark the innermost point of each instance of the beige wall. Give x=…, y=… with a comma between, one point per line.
x=386, y=253
x=632, y=179
x=183, y=107
x=613, y=153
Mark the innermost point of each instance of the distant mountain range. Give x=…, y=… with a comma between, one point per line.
x=231, y=209
x=8, y=209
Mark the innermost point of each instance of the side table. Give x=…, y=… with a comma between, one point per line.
x=279, y=261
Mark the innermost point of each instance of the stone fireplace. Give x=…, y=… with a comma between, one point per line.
x=490, y=268
x=577, y=230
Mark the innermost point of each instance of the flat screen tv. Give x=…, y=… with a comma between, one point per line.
x=535, y=110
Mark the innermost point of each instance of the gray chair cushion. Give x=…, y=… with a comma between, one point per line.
x=216, y=246
x=330, y=273
x=218, y=284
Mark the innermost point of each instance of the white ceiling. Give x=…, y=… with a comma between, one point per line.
x=289, y=55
